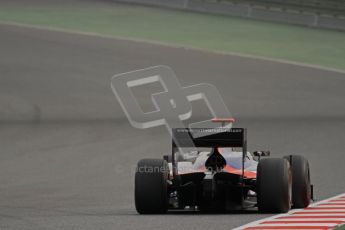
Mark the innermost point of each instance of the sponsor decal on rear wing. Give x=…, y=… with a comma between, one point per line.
x=210, y=137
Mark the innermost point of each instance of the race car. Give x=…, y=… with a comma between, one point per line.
x=210, y=170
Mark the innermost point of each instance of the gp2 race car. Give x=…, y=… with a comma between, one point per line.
x=219, y=175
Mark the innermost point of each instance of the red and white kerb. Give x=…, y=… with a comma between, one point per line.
x=322, y=215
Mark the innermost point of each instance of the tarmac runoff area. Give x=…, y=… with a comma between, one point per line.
x=68, y=153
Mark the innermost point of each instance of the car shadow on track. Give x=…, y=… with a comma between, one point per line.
x=193, y=212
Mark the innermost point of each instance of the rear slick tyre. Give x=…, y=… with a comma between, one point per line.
x=301, y=188
x=274, y=185
x=151, y=186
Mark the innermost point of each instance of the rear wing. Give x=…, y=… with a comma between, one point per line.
x=209, y=137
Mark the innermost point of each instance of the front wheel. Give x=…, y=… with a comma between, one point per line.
x=151, y=186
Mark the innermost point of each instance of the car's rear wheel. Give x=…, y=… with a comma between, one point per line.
x=274, y=183
x=301, y=188
x=151, y=186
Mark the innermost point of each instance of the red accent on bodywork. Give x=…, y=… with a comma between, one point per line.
x=230, y=120
x=228, y=169
x=247, y=174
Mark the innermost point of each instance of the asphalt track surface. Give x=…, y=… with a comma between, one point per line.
x=67, y=151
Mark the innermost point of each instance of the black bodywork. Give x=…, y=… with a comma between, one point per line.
x=213, y=188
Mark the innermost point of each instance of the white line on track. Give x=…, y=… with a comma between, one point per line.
x=137, y=40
